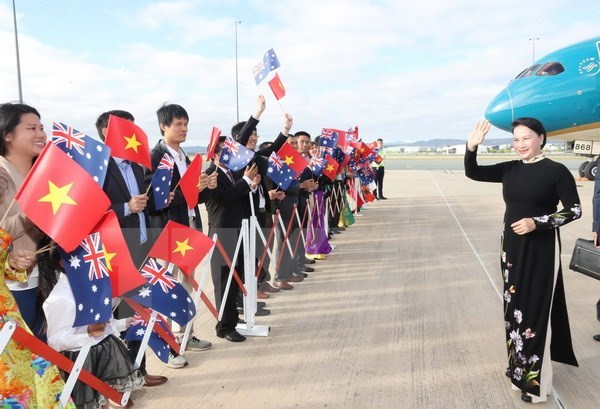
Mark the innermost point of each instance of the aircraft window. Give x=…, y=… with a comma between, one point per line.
x=527, y=72
x=551, y=68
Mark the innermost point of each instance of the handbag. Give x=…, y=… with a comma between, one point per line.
x=586, y=258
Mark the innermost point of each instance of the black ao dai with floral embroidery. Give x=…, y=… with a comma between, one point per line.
x=534, y=297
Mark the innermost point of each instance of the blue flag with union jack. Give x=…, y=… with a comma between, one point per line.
x=137, y=330
x=269, y=63
x=279, y=172
x=316, y=165
x=234, y=155
x=161, y=181
x=87, y=271
x=90, y=154
x=328, y=140
x=163, y=293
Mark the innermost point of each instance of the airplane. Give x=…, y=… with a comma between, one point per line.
x=562, y=90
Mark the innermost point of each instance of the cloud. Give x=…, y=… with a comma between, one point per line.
x=418, y=72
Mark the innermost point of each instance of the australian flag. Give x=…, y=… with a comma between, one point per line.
x=268, y=64
x=163, y=293
x=90, y=154
x=328, y=140
x=87, y=271
x=235, y=156
x=137, y=330
x=279, y=172
x=366, y=175
x=316, y=165
x=161, y=181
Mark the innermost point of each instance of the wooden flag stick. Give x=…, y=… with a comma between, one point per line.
x=6, y=212
x=48, y=247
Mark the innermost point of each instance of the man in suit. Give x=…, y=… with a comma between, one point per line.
x=246, y=133
x=226, y=207
x=173, y=123
x=124, y=186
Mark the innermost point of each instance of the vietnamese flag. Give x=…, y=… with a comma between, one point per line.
x=61, y=198
x=277, y=87
x=330, y=168
x=212, y=144
x=127, y=141
x=190, y=182
x=292, y=158
x=181, y=245
x=365, y=150
x=124, y=275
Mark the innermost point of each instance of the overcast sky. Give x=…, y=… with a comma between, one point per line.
x=399, y=70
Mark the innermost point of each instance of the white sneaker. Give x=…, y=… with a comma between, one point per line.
x=177, y=362
x=195, y=344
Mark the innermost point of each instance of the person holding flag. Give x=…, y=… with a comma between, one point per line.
x=108, y=358
x=173, y=124
x=379, y=169
x=226, y=207
x=246, y=134
x=124, y=185
x=22, y=139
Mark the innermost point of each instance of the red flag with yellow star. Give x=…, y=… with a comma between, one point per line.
x=61, y=198
x=124, y=275
x=292, y=158
x=127, y=141
x=190, y=182
x=330, y=168
x=277, y=87
x=212, y=144
x=181, y=245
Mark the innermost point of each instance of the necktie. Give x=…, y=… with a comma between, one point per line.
x=230, y=175
x=134, y=190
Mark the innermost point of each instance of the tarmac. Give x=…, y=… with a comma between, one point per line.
x=405, y=313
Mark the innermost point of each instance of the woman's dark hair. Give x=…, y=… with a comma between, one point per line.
x=10, y=117
x=48, y=263
x=531, y=123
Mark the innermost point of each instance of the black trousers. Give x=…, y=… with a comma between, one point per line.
x=379, y=173
x=220, y=273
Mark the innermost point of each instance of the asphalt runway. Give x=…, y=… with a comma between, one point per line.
x=405, y=313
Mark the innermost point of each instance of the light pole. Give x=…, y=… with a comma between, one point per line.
x=533, y=40
x=17, y=48
x=237, y=94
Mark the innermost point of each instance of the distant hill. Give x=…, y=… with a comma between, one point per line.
x=448, y=142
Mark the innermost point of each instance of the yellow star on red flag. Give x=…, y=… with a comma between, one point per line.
x=58, y=196
x=183, y=247
x=132, y=143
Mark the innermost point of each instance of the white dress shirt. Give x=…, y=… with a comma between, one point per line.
x=59, y=308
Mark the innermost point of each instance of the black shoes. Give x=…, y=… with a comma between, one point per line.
x=383, y=197
x=233, y=336
x=525, y=397
x=597, y=337
x=308, y=269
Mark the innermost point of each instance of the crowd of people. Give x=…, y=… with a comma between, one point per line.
x=35, y=291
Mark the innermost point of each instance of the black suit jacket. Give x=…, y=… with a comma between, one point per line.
x=118, y=193
x=228, y=203
x=178, y=209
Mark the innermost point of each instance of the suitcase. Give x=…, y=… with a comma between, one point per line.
x=586, y=258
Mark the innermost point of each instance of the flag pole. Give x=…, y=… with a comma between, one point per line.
x=7, y=210
x=281, y=106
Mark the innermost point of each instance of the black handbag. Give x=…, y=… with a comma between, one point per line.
x=586, y=258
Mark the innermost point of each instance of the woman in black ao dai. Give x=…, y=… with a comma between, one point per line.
x=535, y=312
